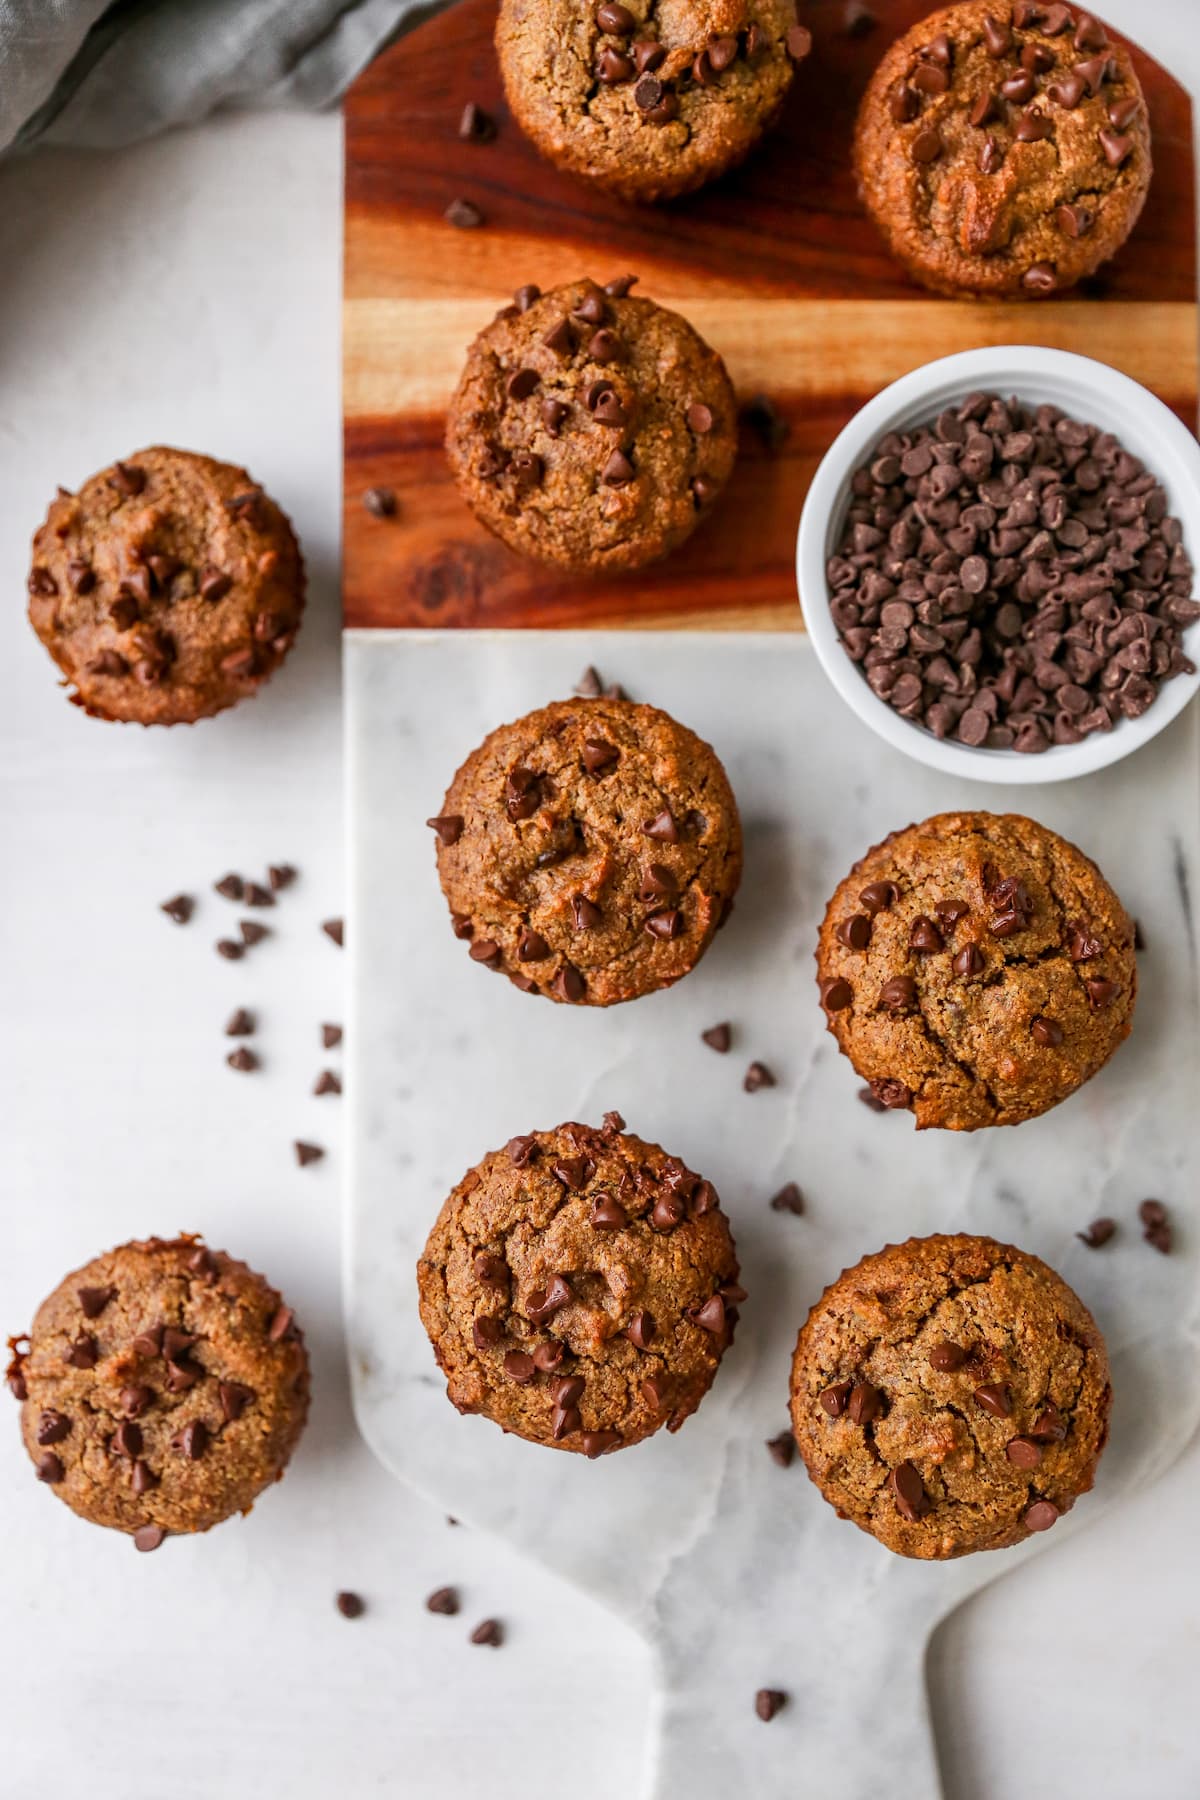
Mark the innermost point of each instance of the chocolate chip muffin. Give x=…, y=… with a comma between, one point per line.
x=651, y=99
x=591, y=429
x=976, y=969
x=950, y=1394
x=580, y=1288
x=162, y=1388
x=167, y=589
x=1004, y=149
x=590, y=851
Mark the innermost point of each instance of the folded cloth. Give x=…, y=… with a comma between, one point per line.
x=95, y=75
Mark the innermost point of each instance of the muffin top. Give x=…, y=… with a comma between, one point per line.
x=167, y=589
x=163, y=1387
x=579, y=1288
x=591, y=428
x=976, y=969
x=1004, y=149
x=652, y=98
x=590, y=850
x=950, y=1394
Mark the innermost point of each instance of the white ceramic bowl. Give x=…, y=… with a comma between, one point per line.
x=1085, y=390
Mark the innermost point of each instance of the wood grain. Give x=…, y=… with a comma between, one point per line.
x=776, y=265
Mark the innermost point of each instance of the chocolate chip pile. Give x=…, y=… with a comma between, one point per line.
x=1010, y=578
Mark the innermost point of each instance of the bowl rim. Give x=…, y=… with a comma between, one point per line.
x=1160, y=439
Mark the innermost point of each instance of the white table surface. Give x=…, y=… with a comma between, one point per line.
x=187, y=292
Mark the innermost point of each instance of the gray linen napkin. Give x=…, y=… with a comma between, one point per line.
x=94, y=75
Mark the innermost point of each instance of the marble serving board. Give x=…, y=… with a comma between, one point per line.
x=733, y=1568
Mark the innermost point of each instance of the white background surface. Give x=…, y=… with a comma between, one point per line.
x=188, y=292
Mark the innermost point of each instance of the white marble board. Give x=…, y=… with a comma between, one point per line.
x=733, y=1568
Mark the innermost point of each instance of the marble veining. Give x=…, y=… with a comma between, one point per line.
x=735, y=1569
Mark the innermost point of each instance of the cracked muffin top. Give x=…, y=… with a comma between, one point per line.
x=976, y=969
x=950, y=1394
x=591, y=429
x=580, y=1288
x=590, y=851
x=1004, y=149
x=168, y=588
x=651, y=99
x=162, y=1387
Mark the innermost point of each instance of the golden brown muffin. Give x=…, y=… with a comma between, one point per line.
x=167, y=589
x=590, y=851
x=1004, y=149
x=651, y=99
x=976, y=969
x=580, y=1288
x=164, y=1386
x=591, y=429
x=950, y=1394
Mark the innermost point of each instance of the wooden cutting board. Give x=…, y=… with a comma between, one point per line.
x=776, y=265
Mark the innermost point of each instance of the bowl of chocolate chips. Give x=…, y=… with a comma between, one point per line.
x=995, y=564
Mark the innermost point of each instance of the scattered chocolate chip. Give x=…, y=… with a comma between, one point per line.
x=476, y=126
x=767, y=422
x=788, y=1199
x=307, y=1153
x=241, y=1024
x=243, y=1060
x=1156, y=1227
x=327, y=1083
x=336, y=930
x=351, y=1606
x=443, y=1600
x=782, y=1449
x=180, y=908
x=380, y=502
x=490, y=1632
x=464, y=214
x=718, y=1038
x=757, y=1076
x=148, y=1537
x=1098, y=1233
x=230, y=949
x=768, y=1702
x=331, y=1036
x=252, y=932
x=891, y=1095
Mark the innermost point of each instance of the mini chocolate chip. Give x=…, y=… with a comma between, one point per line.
x=718, y=1038
x=912, y=1502
x=855, y=932
x=662, y=828
x=757, y=1076
x=230, y=949
x=995, y=1399
x=193, y=1440
x=53, y=1427
x=1097, y=1234
x=879, y=896
x=1156, y=1227
x=836, y=995
x=788, y=1199
x=252, y=932
x=50, y=1468
x=1041, y=1515
x=969, y=961
x=1049, y=1427
x=946, y=1357
x=1116, y=147
x=380, y=502
x=476, y=126
x=449, y=827
x=351, y=1606
x=833, y=1399
x=148, y=1537
x=1023, y=1453
x=568, y=984
x=127, y=1439
x=618, y=470
x=307, y=1153
x=327, y=1083
x=331, y=1036
x=335, y=929
x=464, y=214
x=234, y=1398
x=863, y=1404
x=444, y=1601
x=127, y=478
x=711, y=1316
x=243, y=1060
x=93, y=1300
x=82, y=1352
x=1047, y=1032
x=927, y=146
x=925, y=936
x=898, y=994
x=641, y=1330
x=769, y=1701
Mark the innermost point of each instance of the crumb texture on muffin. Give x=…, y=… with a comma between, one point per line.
x=168, y=588
x=950, y=1394
x=1004, y=149
x=591, y=429
x=590, y=851
x=580, y=1288
x=976, y=969
x=650, y=99
x=164, y=1386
